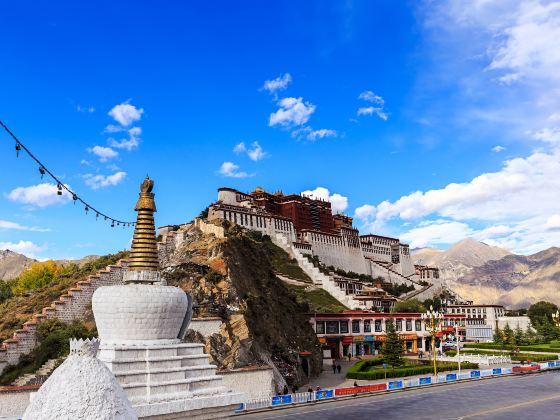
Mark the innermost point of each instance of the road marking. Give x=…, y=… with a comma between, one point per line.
x=410, y=393
x=510, y=407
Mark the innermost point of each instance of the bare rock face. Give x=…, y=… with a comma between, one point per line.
x=12, y=264
x=233, y=278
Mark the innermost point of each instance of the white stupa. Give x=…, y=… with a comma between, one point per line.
x=141, y=325
x=81, y=388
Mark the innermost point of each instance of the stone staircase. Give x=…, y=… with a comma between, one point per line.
x=319, y=279
x=40, y=376
x=72, y=305
x=395, y=276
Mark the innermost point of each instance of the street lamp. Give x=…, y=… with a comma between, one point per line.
x=458, y=351
x=432, y=320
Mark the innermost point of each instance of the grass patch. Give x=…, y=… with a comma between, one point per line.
x=372, y=369
x=283, y=263
x=541, y=348
x=318, y=300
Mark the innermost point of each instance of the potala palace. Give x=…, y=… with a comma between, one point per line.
x=326, y=245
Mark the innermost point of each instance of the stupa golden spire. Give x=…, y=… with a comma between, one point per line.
x=144, y=254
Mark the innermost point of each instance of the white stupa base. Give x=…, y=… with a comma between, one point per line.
x=169, y=380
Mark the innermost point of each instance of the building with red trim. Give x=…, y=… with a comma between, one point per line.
x=363, y=332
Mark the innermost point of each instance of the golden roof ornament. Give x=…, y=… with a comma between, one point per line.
x=144, y=254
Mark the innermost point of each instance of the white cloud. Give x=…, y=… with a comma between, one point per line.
x=125, y=113
x=498, y=149
x=292, y=112
x=112, y=128
x=339, y=203
x=370, y=110
x=377, y=108
x=103, y=153
x=7, y=225
x=88, y=109
x=548, y=135
x=436, y=232
x=321, y=133
x=240, y=148
x=369, y=96
x=101, y=181
x=128, y=144
x=40, y=195
x=256, y=152
x=231, y=170
x=275, y=85
x=513, y=205
x=27, y=248
x=553, y=222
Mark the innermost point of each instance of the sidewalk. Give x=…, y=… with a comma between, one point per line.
x=327, y=379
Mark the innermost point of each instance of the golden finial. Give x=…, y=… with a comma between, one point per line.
x=144, y=255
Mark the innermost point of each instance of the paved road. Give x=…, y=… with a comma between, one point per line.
x=534, y=397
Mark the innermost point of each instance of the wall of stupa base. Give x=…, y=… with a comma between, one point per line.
x=255, y=381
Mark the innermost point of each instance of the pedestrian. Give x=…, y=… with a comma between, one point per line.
x=294, y=389
x=338, y=367
x=334, y=366
x=318, y=388
x=285, y=390
x=356, y=383
x=349, y=356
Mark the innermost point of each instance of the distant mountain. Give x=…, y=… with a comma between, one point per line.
x=460, y=259
x=515, y=280
x=12, y=264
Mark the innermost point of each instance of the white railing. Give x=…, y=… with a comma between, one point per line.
x=477, y=358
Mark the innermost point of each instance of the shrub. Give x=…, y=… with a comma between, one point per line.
x=54, y=336
x=402, y=371
x=519, y=357
x=540, y=349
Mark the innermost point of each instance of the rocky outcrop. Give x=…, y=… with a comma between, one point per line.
x=232, y=277
x=12, y=264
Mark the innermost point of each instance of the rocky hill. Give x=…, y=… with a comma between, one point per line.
x=515, y=280
x=257, y=291
x=460, y=259
x=12, y=264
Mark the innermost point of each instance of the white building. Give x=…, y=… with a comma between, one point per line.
x=481, y=320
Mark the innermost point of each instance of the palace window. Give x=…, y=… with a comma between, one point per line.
x=409, y=325
x=320, y=327
x=344, y=327
x=367, y=325
x=332, y=327
x=418, y=325
x=378, y=327
x=399, y=325
x=356, y=326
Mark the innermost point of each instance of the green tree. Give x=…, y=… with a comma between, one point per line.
x=508, y=335
x=435, y=303
x=392, y=347
x=5, y=291
x=498, y=336
x=518, y=337
x=537, y=312
x=548, y=330
x=411, y=305
x=39, y=275
x=530, y=336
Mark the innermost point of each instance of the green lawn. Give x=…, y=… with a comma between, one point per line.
x=319, y=300
x=518, y=357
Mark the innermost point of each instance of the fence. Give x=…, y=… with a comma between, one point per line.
x=478, y=358
x=309, y=397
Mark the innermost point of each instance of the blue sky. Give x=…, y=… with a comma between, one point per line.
x=425, y=120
